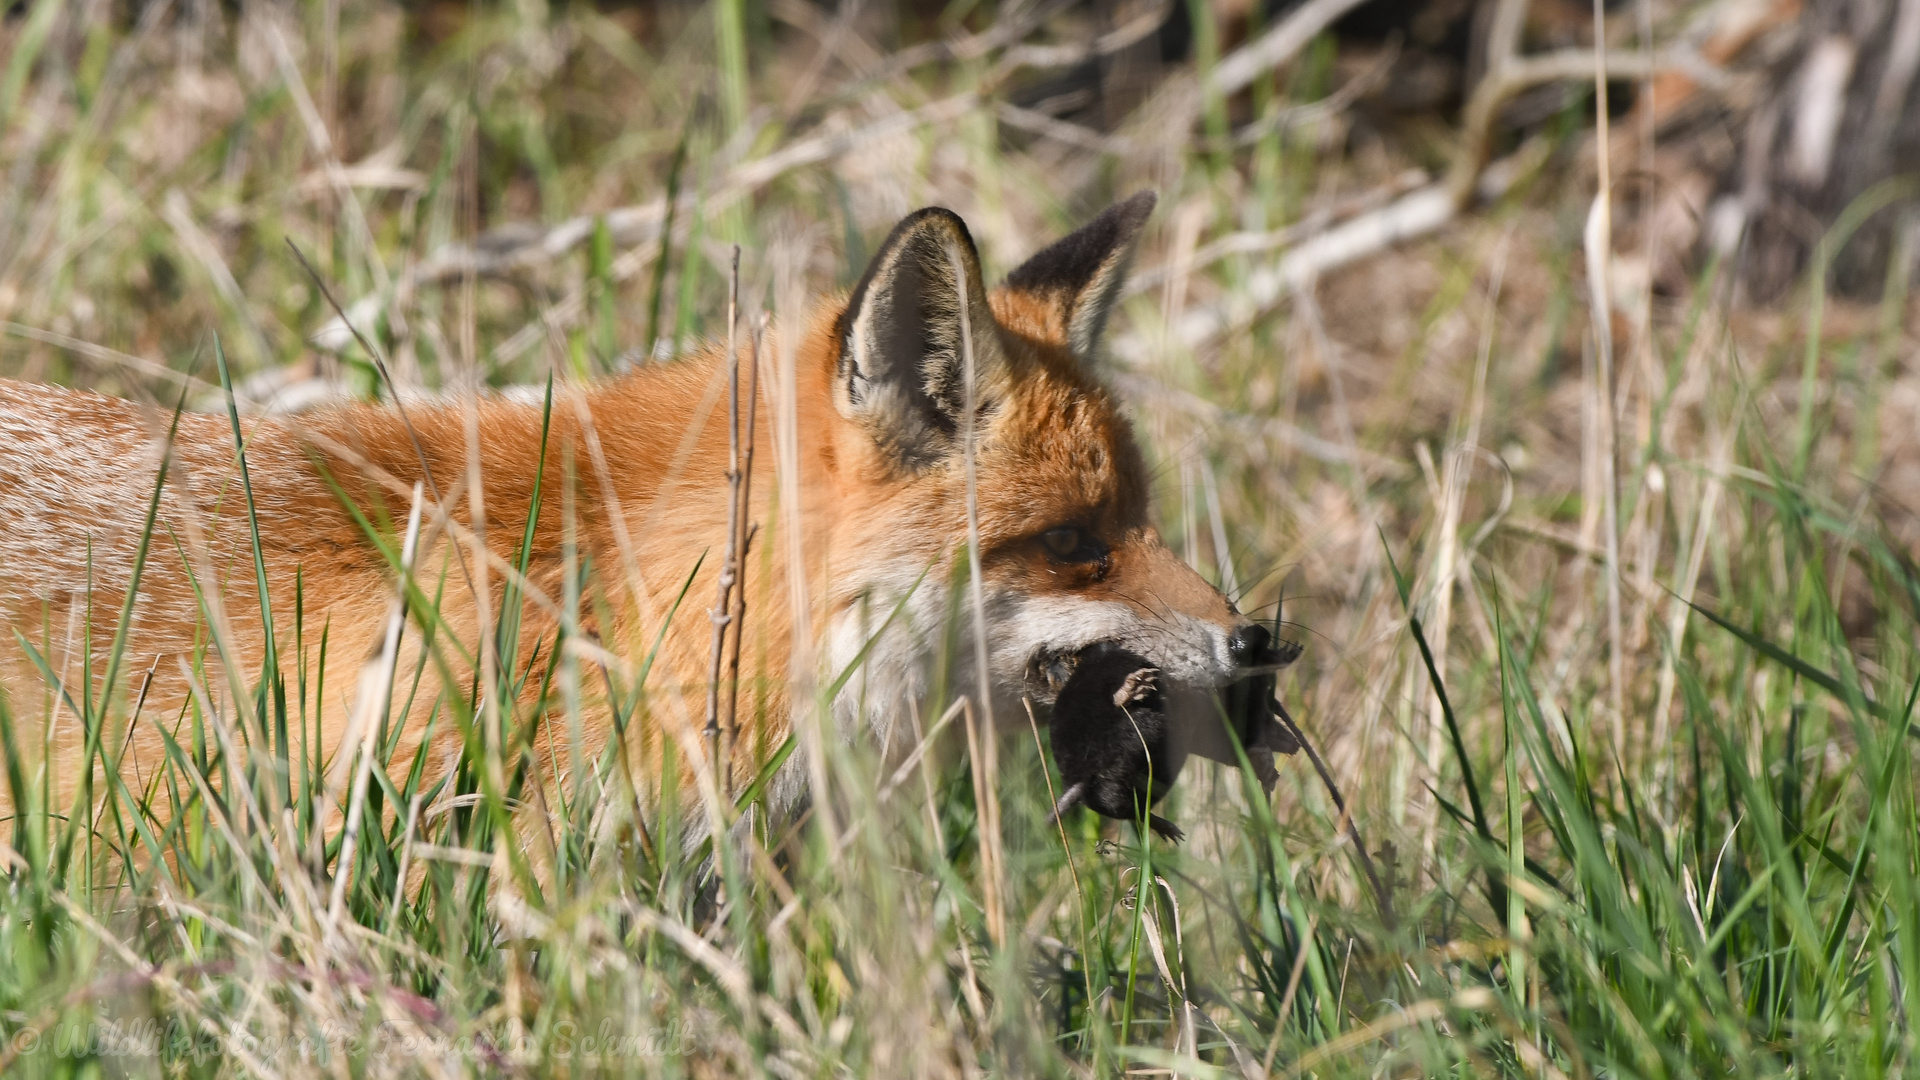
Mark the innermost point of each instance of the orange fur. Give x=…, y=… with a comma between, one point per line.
x=77, y=471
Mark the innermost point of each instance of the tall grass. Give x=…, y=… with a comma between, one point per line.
x=1732, y=892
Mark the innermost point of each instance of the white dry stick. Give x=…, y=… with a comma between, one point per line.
x=1263, y=241
x=722, y=614
x=1410, y=217
x=1896, y=79
x=1821, y=106
x=1414, y=214
x=637, y=226
x=372, y=699
x=1599, y=244
x=1238, y=69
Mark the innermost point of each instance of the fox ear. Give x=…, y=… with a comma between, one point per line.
x=1079, y=276
x=904, y=338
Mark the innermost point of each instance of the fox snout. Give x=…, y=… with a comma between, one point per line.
x=1246, y=650
x=1254, y=651
x=1151, y=604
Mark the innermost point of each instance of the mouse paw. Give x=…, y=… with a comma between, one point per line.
x=1165, y=829
x=1141, y=684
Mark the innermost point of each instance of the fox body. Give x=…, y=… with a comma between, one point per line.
x=866, y=435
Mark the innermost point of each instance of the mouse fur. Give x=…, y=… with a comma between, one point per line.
x=1110, y=738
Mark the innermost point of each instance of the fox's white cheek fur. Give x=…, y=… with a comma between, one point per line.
x=904, y=635
x=1021, y=626
x=1187, y=649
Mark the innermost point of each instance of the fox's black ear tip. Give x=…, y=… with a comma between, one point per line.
x=941, y=212
x=1137, y=207
x=930, y=216
x=1126, y=217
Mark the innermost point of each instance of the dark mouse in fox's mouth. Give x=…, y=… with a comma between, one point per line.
x=1110, y=738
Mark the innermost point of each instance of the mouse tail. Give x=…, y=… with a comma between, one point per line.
x=1069, y=799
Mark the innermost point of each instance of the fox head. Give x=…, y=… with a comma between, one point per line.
x=949, y=394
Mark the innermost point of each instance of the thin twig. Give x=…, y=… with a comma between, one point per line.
x=1277, y=46
x=748, y=529
x=722, y=613
x=1380, y=893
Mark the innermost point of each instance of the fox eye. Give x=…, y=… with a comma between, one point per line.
x=1070, y=544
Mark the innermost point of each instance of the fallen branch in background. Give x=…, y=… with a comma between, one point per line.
x=1680, y=73
x=1277, y=47
x=1365, y=225
x=1314, y=252
x=519, y=248
x=1409, y=217
x=1315, y=223
x=1145, y=388
x=1511, y=78
x=516, y=248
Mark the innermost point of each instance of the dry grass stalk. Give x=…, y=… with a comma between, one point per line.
x=722, y=613
x=986, y=767
x=1448, y=561
x=1599, y=245
x=742, y=546
x=372, y=701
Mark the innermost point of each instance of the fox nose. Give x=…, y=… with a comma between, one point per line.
x=1248, y=645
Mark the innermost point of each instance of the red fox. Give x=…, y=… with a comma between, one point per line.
x=625, y=483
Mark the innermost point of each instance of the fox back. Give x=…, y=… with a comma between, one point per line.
x=915, y=427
